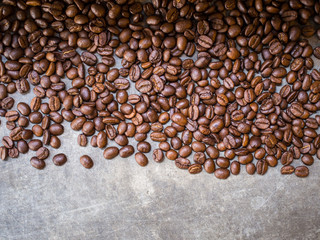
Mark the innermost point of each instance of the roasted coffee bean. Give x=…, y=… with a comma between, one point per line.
x=209, y=165
x=141, y=159
x=3, y=153
x=126, y=151
x=86, y=161
x=222, y=173
x=110, y=152
x=195, y=168
x=42, y=153
x=307, y=159
x=235, y=168
x=158, y=155
x=287, y=158
x=59, y=159
x=301, y=171
x=182, y=163
x=287, y=169
x=82, y=140
x=244, y=115
x=37, y=163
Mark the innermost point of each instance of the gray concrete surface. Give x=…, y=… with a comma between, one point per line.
x=117, y=199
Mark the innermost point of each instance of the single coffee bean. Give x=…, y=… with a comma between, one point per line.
x=235, y=168
x=307, y=159
x=110, y=152
x=37, y=163
x=209, y=165
x=3, y=153
x=182, y=163
x=301, y=171
x=42, y=153
x=141, y=159
x=59, y=159
x=158, y=155
x=287, y=169
x=126, y=151
x=222, y=173
x=82, y=140
x=144, y=147
x=195, y=168
x=22, y=146
x=86, y=161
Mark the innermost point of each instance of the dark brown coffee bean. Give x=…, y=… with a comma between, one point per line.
x=144, y=147
x=301, y=171
x=287, y=158
x=307, y=159
x=3, y=153
x=209, y=165
x=35, y=144
x=182, y=163
x=141, y=159
x=82, y=140
x=102, y=139
x=195, y=168
x=126, y=151
x=262, y=167
x=222, y=173
x=158, y=155
x=287, y=169
x=56, y=129
x=42, y=153
x=59, y=159
x=235, y=168
x=110, y=152
x=86, y=161
x=37, y=163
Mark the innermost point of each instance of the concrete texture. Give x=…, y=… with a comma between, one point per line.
x=117, y=199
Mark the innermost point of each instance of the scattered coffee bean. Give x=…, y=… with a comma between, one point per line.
x=86, y=161
x=59, y=159
x=248, y=87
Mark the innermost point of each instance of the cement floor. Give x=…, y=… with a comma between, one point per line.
x=117, y=199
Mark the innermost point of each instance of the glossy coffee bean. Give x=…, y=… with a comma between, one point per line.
x=86, y=161
x=59, y=159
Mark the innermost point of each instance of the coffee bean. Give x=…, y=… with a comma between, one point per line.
x=245, y=115
x=307, y=159
x=195, y=168
x=182, y=163
x=110, y=152
x=251, y=168
x=42, y=153
x=158, y=155
x=141, y=159
x=287, y=169
x=86, y=161
x=222, y=173
x=301, y=171
x=82, y=140
x=287, y=158
x=262, y=167
x=126, y=151
x=3, y=153
x=235, y=168
x=59, y=159
x=209, y=165
x=37, y=163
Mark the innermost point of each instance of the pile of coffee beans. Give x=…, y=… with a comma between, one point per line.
x=216, y=84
